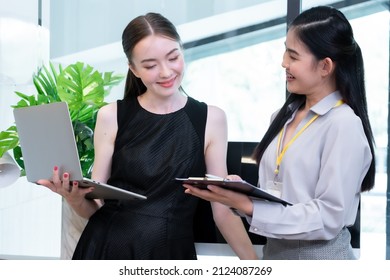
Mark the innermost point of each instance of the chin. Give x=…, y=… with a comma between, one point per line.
x=292, y=89
x=169, y=92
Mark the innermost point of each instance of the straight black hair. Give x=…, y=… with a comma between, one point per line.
x=327, y=33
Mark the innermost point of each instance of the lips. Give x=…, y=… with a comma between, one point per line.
x=289, y=77
x=167, y=84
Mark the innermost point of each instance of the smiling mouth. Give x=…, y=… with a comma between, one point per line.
x=167, y=84
x=289, y=76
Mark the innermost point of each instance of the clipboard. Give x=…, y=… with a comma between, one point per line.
x=240, y=186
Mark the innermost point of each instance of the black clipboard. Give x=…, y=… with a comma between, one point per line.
x=234, y=185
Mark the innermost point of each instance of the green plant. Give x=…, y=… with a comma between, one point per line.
x=83, y=88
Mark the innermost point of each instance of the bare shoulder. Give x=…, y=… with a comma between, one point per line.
x=216, y=114
x=216, y=141
x=106, y=124
x=107, y=113
x=216, y=126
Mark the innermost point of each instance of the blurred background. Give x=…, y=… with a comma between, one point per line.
x=233, y=51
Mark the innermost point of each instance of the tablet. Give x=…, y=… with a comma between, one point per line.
x=233, y=185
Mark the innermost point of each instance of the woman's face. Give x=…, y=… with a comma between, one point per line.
x=158, y=61
x=303, y=74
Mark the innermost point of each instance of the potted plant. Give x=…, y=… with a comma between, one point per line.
x=83, y=88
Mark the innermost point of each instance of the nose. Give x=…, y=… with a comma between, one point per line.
x=284, y=60
x=165, y=71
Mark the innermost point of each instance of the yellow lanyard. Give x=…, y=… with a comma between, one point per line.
x=280, y=156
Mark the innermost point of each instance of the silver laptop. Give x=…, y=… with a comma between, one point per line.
x=47, y=140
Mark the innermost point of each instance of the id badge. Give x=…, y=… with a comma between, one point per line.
x=274, y=188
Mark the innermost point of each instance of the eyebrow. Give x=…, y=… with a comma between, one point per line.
x=291, y=50
x=153, y=59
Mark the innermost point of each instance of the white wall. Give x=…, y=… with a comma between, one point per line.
x=30, y=216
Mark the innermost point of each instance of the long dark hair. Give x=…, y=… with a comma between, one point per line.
x=327, y=33
x=139, y=28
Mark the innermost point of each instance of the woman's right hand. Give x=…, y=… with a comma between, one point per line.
x=69, y=190
x=233, y=199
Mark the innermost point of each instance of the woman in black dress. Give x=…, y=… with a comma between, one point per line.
x=156, y=133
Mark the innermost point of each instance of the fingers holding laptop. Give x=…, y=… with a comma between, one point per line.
x=57, y=184
x=63, y=186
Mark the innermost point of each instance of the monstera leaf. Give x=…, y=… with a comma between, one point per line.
x=79, y=84
x=83, y=88
x=8, y=140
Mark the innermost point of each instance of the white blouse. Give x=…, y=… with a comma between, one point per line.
x=320, y=174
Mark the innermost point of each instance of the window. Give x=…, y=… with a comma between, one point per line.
x=233, y=52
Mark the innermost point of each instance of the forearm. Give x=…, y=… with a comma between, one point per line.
x=234, y=232
x=86, y=208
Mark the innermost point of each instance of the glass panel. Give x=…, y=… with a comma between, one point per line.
x=242, y=74
x=375, y=49
x=101, y=22
x=30, y=216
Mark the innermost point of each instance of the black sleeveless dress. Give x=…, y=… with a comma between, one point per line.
x=150, y=151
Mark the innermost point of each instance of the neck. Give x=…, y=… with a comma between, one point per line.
x=162, y=105
x=323, y=89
